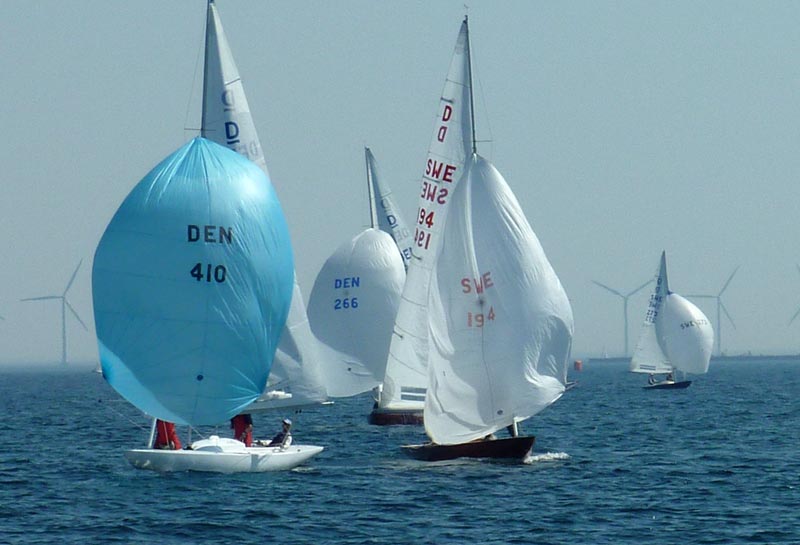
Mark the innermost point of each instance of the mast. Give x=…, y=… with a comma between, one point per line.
x=205, y=71
x=471, y=98
x=373, y=218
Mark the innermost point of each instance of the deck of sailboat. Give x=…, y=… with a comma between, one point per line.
x=518, y=448
x=389, y=417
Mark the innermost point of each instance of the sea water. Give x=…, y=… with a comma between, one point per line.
x=613, y=463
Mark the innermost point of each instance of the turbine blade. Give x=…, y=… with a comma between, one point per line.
x=725, y=286
x=700, y=296
x=796, y=314
x=798, y=267
x=612, y=290
x=725, y=310
x=72, y=310
x=72, y=279
x=45, y=298
x=640, y=287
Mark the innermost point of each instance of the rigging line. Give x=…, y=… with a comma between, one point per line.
x=121, y=414
x=200, y=52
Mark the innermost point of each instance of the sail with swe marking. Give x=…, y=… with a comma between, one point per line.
x=191, y=286
x=352, y=309
x=386, y=212
x=227, y=121
x=406, y=369
x=500, y=323
x=675, y=333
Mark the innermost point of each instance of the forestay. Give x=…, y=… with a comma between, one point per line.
x=500, y=323
x=227, y=121
x=406, y=376
x=191, y=285
x=352, y=308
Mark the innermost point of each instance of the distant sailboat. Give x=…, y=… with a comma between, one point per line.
x=675, y=336
x=296, y=379
x=191, y=283
x=500, y=325
x=402, y=399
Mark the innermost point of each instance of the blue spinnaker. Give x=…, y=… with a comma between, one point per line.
x=192, y=283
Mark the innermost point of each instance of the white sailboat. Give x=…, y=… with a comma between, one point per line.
x=500, y=325
x=355, y=297
x=296, y=379
x=675, y=336
x=402, y=398
x=191, y=284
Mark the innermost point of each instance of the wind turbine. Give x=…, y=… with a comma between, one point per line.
x=720, y=309
x=64, y=306
x=796, y=314
x=625, y=298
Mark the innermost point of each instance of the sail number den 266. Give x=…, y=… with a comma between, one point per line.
x=209, y=234
x=346, y=301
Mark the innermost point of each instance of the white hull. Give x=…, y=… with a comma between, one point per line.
x=221, y=455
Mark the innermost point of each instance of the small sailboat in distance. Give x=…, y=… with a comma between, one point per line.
x=191, y=284
x=675, y=336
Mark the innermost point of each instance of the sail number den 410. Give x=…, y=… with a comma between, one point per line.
x=209, y=234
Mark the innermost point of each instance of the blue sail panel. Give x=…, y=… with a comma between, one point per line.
x=192, y=282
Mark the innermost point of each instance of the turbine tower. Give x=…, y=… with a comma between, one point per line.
x=64, y=306
x=720, y=309
x=796, y=314
x=625, y=298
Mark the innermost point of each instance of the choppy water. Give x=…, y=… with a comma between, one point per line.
x=716, y=463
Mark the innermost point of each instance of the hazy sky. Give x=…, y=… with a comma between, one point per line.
x=624, y=128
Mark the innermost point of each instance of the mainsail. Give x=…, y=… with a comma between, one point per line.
x=227, y=121
x=191, y=285
x=500, y=324
x=385, y=212
x=452, y=142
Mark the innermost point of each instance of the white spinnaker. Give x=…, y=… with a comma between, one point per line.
x=352, y=309
x=500, y=323
x=686, y=335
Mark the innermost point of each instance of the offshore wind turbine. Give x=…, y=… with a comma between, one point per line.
x=625, y=298
x=796, y=314
x=720, y=309
x=64, y=306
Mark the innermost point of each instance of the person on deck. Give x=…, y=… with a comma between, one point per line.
x=283, y=437
x=651, y=379
x=242, y=425
x=670, y=378
x=166, y=437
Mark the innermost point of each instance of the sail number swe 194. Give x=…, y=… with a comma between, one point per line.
x=209, y=234
x=478, y=285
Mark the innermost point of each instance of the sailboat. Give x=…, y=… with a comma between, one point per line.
x=295, y=379
x=191, y=284
x=402, y=399
x=675, y=336
x=500, y=325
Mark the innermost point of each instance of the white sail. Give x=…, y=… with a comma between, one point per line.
x=675, y=334
x=406, y=376
x=227, y=121
x=352, y=309
x=500, y=323
x=385, y=212
x=648, y=357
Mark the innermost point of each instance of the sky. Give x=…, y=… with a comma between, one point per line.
x=624, y=129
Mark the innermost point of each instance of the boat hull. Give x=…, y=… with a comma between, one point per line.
x=668, y=385
x=216, y=455
x=384, y=417
x=518, y=448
